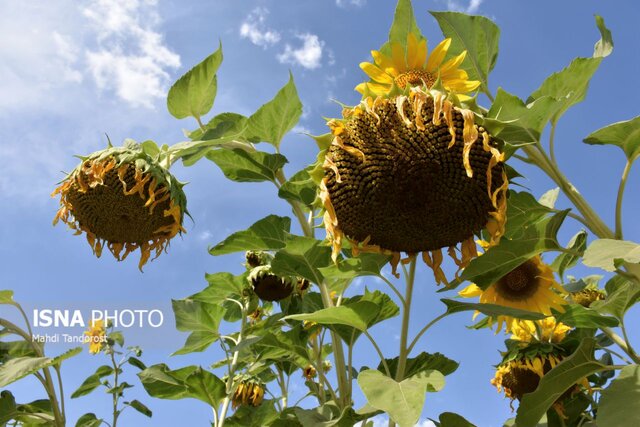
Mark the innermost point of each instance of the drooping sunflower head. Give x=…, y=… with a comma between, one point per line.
x=530, y=286
x=521, y=376
x=412, y=174
x=96, y=336
x=309, y=372
x=268, y=286
x=587, y=296
x=124, y=200
x=413, y=66
x=545, y=330
x=250, y=392
x=256, y=258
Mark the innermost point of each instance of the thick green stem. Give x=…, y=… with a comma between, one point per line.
x=116, y=394
x=232, y=369
x=623, y=183
x=425, y=329
x=622, y=344
x=404, y=333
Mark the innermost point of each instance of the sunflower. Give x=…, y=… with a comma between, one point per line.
x=415, y=68
x=545, y=330
x=96, y=336
x=309, y=372
x=530, y=286
x=412, y=174
x=522, y=376
x=249, y=392
x=122, y=199
x=268, y=286
x=587, y=296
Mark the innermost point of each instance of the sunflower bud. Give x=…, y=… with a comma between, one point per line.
x=309, y=372
x=122, y=199
x=268, y=286
x=249, y=393
x=588, y=296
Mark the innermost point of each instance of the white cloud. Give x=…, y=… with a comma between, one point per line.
x=309, y=55
x=345, y=3
x=131, y=57
x=253, y=28
x=472, y=7
x=205, y=235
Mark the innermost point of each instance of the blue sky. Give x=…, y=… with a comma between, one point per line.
x=73, y=71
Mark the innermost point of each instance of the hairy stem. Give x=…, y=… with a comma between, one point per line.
x=623, y=183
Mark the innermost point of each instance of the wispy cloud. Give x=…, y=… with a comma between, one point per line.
x=254, y=29
x=309, y=55
x=345, y=3
x=131, y=58
x=471, y=7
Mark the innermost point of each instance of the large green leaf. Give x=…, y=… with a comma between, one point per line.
x=20, y=367
x=277, y=117
x=523, y=210
x=302, y=256
x=92, y=382
x=193, y=94
x=449, y=419
x=7, y=406
x=558, y=380
x=243, y=166
x=477, y=35
x=518, y=123
x=618, y=405
x=89, y=420
x=564, y=261
x=607, y=253
x=221, y=286
x=223, y=124
x=403, y=401
x=619, y=301
x=299, y=188
x=404, y=23
x=194, y=315
x=357, y=315
x=270, y=232
x=421, y=363
x=188, y=382
x=386, y=310
x=454, y=306
x=365, y=264
x=578, y=316
x=625, y=135
x=509, y=254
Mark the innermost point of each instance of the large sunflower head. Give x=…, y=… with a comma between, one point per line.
x=521, y=376
x=268, y=286
x=412, y=174
x=122, y=199
x=530, y=286
x=413, y=66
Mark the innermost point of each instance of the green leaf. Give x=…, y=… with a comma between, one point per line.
x=197, y=316
x=564, y=261
x=477, y=35
x=549, y=198
x=299, y=188
x=270, y=232
x=606, y=253
x=140, y=407
x=618, y=404
x=423, y=362
x=403, y=401
x=449, y=419
x=580, y=317
x=221, y=286
x=302, y=256
x=92, y=382
x=454, y=306
x=221, y=125
x=88, y=420
x=523, y=211
x=197, y=341
x=365, y=264
x=193, y=94
x=13, y=349
x=625, y=135
x=386, y=310
x=243, y=166
x=205, y=386
x=357, y=315
x=509, y=254
x=188, y=382
x=404, y=23
x=619, y=301
x=20, y=367
x=569, y=86
x=7, y=406
x=555, y=382
x=133, y=361
x=277, y=117
x=604, y=46
x=6, y=297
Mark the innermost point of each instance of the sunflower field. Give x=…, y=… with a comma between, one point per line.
x=417, y=191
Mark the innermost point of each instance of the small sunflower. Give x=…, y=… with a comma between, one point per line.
x=587, y=296
x=249, y=392
x=545, y=330
x=415, y=68
x=412, y=174
x=122, y=199
x=309, y=372
x=96, y=336
x=268, y=286
x=530, y=286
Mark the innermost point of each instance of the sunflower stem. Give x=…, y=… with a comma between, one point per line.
x=621, y=343
x=425, y=329
x=623, y=183
x=404, y=333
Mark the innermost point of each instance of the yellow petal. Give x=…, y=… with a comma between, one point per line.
x=412, y=52
x=376, y=73
x=438, y=54
x=470, y=291
x=397, y=55
x=384, y=62
x=453, y=63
